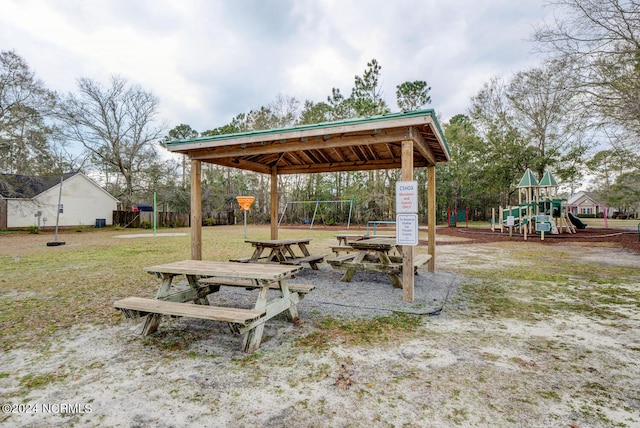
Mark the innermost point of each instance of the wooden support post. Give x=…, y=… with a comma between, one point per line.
x=274, y=203
x=196, y=209
x=431, y=217
x=407, y=250
x=493, y=219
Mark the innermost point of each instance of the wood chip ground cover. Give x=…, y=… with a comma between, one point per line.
x=537, y=335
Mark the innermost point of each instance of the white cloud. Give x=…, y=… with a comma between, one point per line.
x=208, y=61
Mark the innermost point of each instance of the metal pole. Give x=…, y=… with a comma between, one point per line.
x=58, y=210
x=350, y=208
x=245, y=224
x=314, y=215
x=155, y=214
x=283, y=212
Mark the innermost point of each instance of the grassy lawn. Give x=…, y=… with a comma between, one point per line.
x=612, y=223
x=538, y=336
x=43, y=289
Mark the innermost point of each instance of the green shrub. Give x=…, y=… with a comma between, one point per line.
x=32, y=229
x=145, y=224
x=209, y=221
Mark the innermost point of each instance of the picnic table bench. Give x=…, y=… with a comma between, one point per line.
x=206, y=277
x=373, y=255
x=344, y=240
x=135, y=307
x=249, y=285
x=281, y=251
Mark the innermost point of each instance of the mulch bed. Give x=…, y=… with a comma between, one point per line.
x=626, y=239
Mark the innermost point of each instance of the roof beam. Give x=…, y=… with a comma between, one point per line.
x=421, y=144
x=338, y=154
x=267, y=147
x=346, y=166
x=241, y=164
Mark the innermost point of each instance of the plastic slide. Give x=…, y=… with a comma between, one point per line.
x=577, y=222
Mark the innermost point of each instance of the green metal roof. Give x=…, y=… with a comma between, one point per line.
x=548, y=180
x=528, y=179
x=322, y=125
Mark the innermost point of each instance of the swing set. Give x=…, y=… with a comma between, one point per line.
x=315, y=211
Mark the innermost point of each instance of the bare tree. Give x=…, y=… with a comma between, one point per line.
x=537, y=119
x=548, y=111
x=25, y=103
x=602, y=37
x=117, y=126
x=182, y=132
x=286, y=110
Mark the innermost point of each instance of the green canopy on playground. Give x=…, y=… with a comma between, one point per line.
x=548, y=180
x=528, y=179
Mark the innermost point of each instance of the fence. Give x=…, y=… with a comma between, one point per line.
x=145, y=219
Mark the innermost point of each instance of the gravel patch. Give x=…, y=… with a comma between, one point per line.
x=367, y=295
x=371, y=294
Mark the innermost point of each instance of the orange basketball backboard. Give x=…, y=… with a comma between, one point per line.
x=245, y=202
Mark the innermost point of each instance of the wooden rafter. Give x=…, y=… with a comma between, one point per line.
x=398, y=140
x=290, y=146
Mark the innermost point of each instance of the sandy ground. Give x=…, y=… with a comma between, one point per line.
x=460, y=370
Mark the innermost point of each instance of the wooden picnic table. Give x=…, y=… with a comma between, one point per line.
x=343, y=242
x=344, y=238
x=281, y=251
x=206, y=277
x=374, y=255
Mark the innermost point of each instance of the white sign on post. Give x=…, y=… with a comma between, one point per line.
x=406, y=213
x=406, y=197
x=407, y=229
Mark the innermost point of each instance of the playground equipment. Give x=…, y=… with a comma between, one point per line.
x=539, y=209
x=457, y=216
x=245, y=203
x=375, y=224
x=317, y=204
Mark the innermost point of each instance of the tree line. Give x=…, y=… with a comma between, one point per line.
x=577, y=114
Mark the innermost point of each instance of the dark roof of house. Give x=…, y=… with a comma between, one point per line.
x=23, y=186
x=594, y=197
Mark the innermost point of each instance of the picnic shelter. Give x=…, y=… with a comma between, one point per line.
x=404, y=140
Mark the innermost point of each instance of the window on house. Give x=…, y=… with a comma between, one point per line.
x=61, y=208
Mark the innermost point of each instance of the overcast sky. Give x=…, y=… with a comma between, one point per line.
x=209, y=60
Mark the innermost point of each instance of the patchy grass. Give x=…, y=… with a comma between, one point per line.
x=536, y=337
x=540, y=282
x=360, y=332
x=39, y=381
x=45, y=289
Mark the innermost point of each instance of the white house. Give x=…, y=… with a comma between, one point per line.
x=33, y=201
